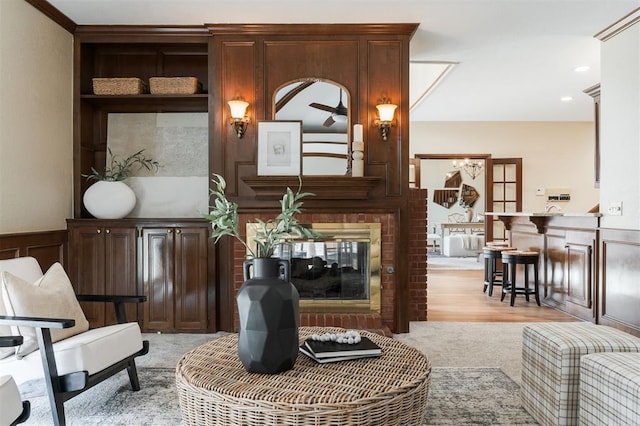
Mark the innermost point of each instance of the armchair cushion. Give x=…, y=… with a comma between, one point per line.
x=91, y=351
x=51, y=296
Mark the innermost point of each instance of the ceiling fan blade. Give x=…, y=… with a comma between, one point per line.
x=329, y=121
x=322, y=107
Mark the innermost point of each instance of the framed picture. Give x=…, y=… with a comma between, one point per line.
x=279, y=148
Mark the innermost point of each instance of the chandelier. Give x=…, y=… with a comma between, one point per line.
x=471, y=167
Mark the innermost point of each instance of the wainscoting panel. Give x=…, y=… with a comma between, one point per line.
x=619, y=286
x=47, y=247
x=579, y=278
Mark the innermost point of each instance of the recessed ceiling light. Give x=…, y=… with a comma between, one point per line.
x=582, y=68
x=566, y=98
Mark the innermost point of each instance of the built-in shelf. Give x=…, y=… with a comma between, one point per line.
x=160, y=103
x=324, y=187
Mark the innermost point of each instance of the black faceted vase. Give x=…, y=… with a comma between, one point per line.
x=268, y=306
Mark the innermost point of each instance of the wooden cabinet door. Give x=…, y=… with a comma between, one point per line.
x=103, y=261
x=190, y=282
x=87, y=269
x=120, y=269
x=157, y=278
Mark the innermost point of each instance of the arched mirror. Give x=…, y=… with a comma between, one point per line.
x=324, y=108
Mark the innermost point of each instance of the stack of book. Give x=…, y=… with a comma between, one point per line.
x=324, y=352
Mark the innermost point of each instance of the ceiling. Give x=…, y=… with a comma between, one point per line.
x=472, y=60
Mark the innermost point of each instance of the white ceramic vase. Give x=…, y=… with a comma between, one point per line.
x=109, y=200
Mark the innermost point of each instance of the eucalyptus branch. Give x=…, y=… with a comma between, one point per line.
x=121, y=168
x=224, y=220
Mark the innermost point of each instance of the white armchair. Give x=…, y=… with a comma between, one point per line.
x=57, y=343
x=12, y=409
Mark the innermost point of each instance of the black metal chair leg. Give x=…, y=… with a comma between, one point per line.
x=536, y=284
x=526, y=282
x=512, y=282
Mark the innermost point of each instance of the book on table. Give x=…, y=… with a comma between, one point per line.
x=305, y=350
x=321, y=349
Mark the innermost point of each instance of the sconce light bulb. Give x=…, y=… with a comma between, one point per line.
x=386, y=111
x=238, y=108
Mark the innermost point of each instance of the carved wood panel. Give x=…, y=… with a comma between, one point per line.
x=191, y=279
x=619, y=295
x=47, y=247
x=236, y=66
x=579, y=278
x=157, y=278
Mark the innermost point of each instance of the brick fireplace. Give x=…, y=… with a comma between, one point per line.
x=416, y=253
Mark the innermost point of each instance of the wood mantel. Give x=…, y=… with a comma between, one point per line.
x=324, y=187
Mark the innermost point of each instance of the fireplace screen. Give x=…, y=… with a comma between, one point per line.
x=339, y=272
x=329, y=270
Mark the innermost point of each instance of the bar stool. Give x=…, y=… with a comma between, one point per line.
x=511, y=259
x=493, y=276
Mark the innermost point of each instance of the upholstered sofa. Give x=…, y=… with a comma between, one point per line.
x=462, y=245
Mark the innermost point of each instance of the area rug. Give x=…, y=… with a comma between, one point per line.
x=457, y=396
x=474, y=396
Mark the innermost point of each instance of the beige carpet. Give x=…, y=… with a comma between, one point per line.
x=469, y=344
x=447, y=344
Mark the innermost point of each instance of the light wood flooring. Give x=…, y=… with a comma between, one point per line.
x=456, y=295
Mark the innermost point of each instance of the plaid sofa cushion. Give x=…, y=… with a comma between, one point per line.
x=609, y=389
x=551, y=364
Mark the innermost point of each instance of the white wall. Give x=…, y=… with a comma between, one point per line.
x=620, y=128
x=35, y=120
x=554, y=154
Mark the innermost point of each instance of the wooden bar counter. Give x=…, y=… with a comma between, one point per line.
x=568, y=246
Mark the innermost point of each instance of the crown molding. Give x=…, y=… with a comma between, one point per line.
x=54, y=14
x=620, y=25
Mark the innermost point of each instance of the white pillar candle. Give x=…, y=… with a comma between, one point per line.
x=357, y=132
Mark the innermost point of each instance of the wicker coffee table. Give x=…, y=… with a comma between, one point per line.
x=215, y=389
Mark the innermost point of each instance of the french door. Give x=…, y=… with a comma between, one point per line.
x=505, y=193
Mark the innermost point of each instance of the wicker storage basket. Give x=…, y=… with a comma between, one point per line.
x=174, y=85
x=119, y=86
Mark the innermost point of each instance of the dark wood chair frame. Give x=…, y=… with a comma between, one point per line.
x=5, y=342
x=62, y=388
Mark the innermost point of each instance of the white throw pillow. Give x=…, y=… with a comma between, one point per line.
x=51, y=296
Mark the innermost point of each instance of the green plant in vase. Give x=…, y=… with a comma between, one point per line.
x=268, y=303
x=120, y=168
x=109, y=197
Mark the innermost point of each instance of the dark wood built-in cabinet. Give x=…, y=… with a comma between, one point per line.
x=165, y=260
x=103, y=261
x=174, y=278
x=186, y=281
x=122, y=51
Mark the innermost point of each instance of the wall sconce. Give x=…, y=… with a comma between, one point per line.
x=239, y=119
x=386, y=111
